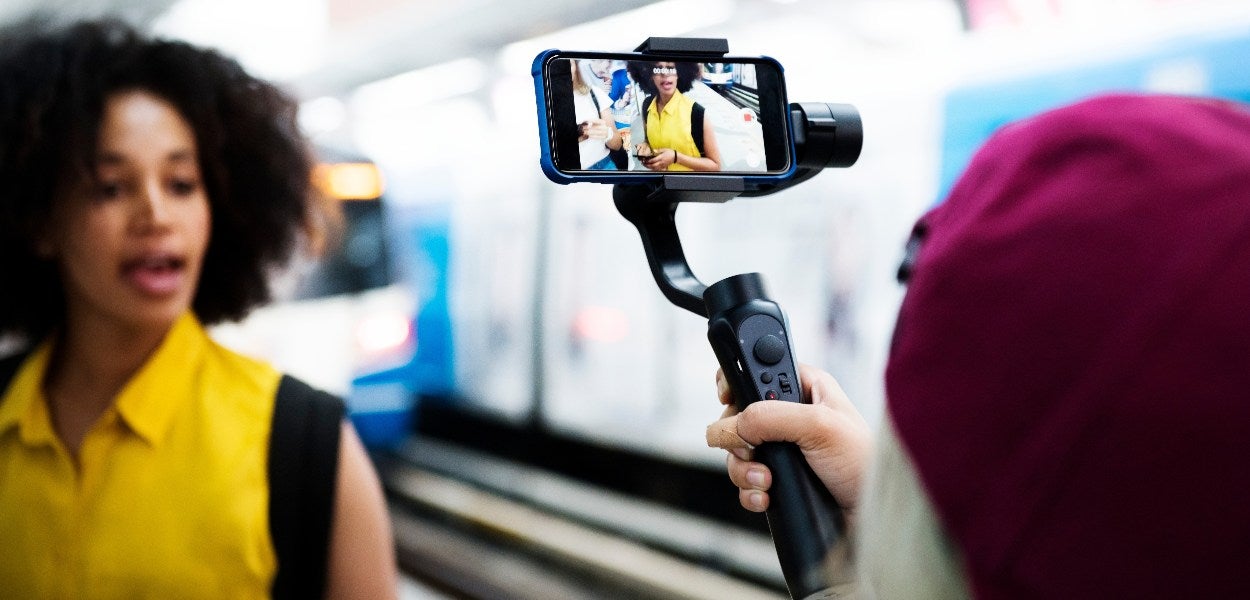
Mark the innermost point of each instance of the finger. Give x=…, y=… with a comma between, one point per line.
x=753, y=500
x=747, y=474
x=724, y=434
x=723, y=393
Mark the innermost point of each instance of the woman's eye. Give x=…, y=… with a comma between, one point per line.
x=107, y=190
x=184, y=187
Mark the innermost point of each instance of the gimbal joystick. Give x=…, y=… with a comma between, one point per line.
x=749, y=332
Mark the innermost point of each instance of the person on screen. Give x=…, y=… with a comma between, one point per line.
x=619, y=89
x=147, y=189
x=678, y=137
x=1067, y=408
x=596, y=127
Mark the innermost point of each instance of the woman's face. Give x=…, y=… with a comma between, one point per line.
x=130, y=243
x=664, y=75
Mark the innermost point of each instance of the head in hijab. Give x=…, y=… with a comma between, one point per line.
x=1070, y=376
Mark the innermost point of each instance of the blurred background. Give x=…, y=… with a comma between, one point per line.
x=535, y=405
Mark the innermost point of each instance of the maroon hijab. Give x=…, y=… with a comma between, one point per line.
x=1071, y=367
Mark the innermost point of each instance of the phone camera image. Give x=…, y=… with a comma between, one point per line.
x=609, y=115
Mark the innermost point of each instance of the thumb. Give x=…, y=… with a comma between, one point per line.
x=780, y=421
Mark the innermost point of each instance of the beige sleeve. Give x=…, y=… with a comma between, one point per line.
x=903, y=552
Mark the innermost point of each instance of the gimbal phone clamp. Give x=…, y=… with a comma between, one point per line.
x=749, y=332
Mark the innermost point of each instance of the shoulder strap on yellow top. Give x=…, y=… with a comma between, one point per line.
x=303, y=466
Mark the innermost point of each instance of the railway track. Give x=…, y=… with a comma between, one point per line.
x=474, y=525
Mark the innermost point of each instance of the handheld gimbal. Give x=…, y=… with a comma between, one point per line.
x=749, y=332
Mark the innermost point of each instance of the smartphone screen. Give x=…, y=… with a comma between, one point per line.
x=622, y=115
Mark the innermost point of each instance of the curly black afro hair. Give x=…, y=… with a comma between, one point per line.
x=687, y=74
x=54, y=81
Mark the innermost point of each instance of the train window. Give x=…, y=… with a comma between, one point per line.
x=360, y=258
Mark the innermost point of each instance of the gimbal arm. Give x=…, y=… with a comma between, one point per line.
x=825, y=136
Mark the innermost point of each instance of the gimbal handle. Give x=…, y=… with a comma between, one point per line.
x=750, y=335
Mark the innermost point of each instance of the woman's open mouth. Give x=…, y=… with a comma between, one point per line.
x=155, y=275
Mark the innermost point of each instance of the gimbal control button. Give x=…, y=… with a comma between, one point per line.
x=766, y=377
x=770, y=349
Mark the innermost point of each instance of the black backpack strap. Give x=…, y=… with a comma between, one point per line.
x=696, y=127
x=303, y=468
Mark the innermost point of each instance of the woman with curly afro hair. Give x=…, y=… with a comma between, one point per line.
x=670, y=118
x=147, y=189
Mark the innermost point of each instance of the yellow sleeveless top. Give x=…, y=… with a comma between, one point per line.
x=170, y=495
x=670, y=128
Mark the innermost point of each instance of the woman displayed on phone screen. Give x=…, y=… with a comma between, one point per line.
x=678, y=137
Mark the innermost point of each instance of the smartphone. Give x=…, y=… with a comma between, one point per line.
x=726, y=116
